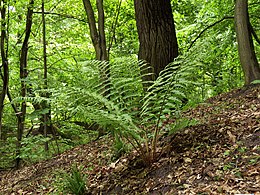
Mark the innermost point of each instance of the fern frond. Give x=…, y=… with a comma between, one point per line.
x=113, y=111
x=167, y=94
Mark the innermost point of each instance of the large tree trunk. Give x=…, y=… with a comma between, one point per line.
x=156, y=31
x=246, y=51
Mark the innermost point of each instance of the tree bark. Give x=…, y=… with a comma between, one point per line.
x=101, y=29
x=156, y=31
x=46, y=118
x=246, y=50
x=97, y=34
x=99, y=41
x=5, y=75
x=23, y=76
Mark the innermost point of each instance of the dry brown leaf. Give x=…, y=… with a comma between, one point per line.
x=232, y=137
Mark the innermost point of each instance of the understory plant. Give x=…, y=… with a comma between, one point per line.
x=76, y=182
x=121, y=105
x=165, y=99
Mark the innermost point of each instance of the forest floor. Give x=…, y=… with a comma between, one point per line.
x=220, y=155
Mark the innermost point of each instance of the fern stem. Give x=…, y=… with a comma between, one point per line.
x=157, y=130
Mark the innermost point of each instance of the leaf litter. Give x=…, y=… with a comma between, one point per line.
x=220, y=155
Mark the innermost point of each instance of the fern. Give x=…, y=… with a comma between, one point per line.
x=128, y=107
x=165, y=97
x=76, y=182
x=112, y=111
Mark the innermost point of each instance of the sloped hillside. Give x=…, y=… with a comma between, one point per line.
x=220, y=155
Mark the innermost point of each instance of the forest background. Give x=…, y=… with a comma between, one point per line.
x=60, y=89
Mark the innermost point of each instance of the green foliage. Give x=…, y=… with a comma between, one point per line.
x=130, y=113
x=120, y=148
x=76, y=182
x=254, y=160
x=88, y=104
x=217, y=48
x=228, y=166
x=7, y=152
x=59, y=183
x=167, y=94
x=256, y=82
x=33, y=150
x=125, y=40
x=76, y=83
x=166, y=97
x=181, y=123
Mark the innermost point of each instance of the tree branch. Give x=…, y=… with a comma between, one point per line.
x=113, y=28
x=62, y=15
x=208, y=27
x=254, y=33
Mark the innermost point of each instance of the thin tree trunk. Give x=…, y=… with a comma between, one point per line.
x=4, y=64
x=246, y=51
x=101, y=29
x=97, y=34
x=113, y=28
x=46, y=116
x=15, y=109
x=99, y=41
x=23, y=76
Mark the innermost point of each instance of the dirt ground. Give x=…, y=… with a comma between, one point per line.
x=219, y=155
